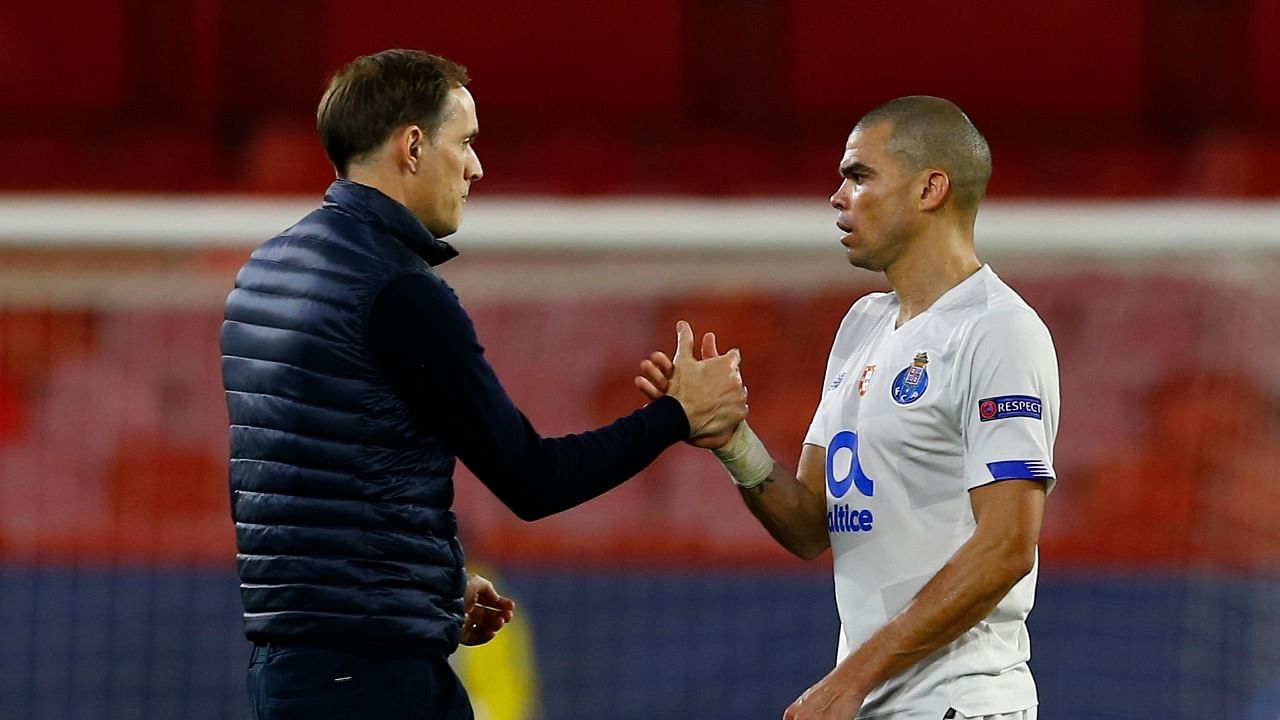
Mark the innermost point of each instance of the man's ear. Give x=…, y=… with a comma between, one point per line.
x=412, y=142
x=934, y=191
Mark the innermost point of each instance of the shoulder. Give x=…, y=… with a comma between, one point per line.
x=876, y=303
x=1002, y=334
x=326, y=223
x=330, y=239
x=319, y=234
x=869, y=308
x=865, y=314
x=995, y=311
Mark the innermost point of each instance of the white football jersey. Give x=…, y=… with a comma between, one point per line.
x=912, y=419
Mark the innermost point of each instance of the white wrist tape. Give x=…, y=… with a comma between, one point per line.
x=745, y=457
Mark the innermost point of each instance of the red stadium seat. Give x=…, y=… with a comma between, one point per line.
x=60, y=66
x=284, y=157
x=558, y=63
x=1234, y=165
x=271, y=59
x=1264, y=61
x=1121, y=165
x=1006, y=63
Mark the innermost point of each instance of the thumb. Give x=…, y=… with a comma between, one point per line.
x=735, y=358
x=684, y=341
x=709, y=346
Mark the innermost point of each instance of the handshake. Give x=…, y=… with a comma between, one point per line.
x=709, y=389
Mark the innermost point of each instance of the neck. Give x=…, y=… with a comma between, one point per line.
x=387, y=182
x=935, y=263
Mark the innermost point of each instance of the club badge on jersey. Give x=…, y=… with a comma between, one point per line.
x=911, y=383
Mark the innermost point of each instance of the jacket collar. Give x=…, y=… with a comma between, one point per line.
x=372, y=206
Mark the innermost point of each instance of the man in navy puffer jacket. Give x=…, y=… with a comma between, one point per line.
x=354, y=380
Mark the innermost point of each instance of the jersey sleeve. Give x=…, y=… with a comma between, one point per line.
x=817, y=433
x=1011, y=407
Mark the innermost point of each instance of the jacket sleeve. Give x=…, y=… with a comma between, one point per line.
x=427, y=345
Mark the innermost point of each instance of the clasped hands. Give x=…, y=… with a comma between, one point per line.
x=710, y=389
x=716, y=375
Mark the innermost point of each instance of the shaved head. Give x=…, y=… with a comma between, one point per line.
x=930, y=132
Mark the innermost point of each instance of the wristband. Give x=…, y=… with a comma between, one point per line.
x=745, y=457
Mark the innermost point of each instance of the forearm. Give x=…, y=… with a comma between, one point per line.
x=428, y=349
x=537, y=476
x=791, y=507
x=963, y=592
x=791, y=512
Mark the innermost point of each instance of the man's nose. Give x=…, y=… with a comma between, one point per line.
x=838, y=199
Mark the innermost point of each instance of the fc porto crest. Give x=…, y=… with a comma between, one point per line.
x=911, y=383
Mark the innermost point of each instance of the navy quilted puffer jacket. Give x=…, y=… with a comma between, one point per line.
x=343, y=528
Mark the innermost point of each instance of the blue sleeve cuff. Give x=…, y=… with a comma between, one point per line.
x=1020, y=470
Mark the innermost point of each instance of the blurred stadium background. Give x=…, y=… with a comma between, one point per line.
x=646, y=162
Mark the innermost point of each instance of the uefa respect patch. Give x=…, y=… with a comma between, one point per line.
x=1009, y=406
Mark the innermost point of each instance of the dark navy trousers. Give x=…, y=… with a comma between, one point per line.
x=288, y=682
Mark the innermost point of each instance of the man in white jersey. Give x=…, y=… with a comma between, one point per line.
x=930, y=455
